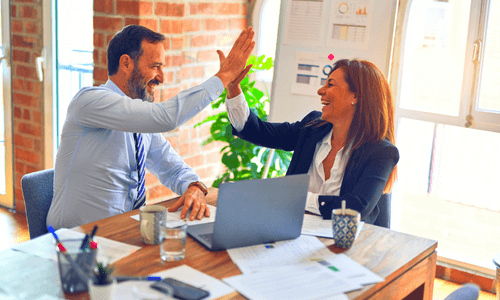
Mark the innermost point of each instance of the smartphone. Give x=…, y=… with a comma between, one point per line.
x=182, y=290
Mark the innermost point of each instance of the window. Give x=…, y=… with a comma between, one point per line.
x=446, y=81
x=265, y=21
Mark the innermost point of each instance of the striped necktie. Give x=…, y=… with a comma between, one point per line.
x=141, y=171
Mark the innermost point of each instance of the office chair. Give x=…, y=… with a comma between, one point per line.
x=38, y=191
x=467, y=291
x=384, y=215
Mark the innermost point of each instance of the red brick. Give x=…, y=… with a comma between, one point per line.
x=168, y=93
x=177, y=42
x=135, y=8
x=38, y=146
x=29, y=12
x=213, y=157
x=203, y=40
x=26, y=72
x=189, y=148
x=95, y=54
x=13, y=11
x=168, y=77
x=195, y=160
x=98, y=40
x=148, y=23
x=34, y=130
x=244, y=9
x=171, y=26
x=104, y=6
x=195, y=83
x=34, y=87
x=101, y=74
x=21, y=56
x=151, y=179
x=27, y=156
x=31, y=27
x=184, y=86
x=227, y=9
x=24, y=100
x=205, y=130
x=22, y=141
x=198, y=71
x=207, y=55
x=201, y=8
x=17, y=112
x=205, y=172
x=19, y=167
x=113, y=23
x=174, y=141
x=215, y=24
x=104, y=58
x=16, y=26
x=183, y=134
x=190, y=25
x=23, y=42
x=184, y=73
x=239, y=23
x=26, y=115
x=174, y=60
x=37, y=117
x=189, y=56
x=170, y=9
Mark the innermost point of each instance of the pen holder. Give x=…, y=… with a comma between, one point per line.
x=73, y=281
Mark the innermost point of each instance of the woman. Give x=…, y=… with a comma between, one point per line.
x=347, y=148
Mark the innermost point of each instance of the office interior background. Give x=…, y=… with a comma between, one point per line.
x=445, y=75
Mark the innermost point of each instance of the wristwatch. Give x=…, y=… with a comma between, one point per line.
x=200, y=185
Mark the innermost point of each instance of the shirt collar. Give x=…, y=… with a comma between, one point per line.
x=112, y=86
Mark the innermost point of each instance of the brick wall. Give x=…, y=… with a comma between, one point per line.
x=27, y=93
x=194, y=31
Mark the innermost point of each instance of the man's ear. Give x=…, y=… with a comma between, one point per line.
x=126, y=64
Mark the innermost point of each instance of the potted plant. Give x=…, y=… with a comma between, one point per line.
x=103, y=284
x=244, y=160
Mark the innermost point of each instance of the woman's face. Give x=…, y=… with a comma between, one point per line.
x=336, y=98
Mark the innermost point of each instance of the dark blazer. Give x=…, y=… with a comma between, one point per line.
x=365, y=175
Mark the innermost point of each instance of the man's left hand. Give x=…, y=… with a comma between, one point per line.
x=193, y=199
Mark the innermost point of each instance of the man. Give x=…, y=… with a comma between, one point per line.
x=110, y=134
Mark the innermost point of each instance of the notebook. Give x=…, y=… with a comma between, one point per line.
x=251, y=212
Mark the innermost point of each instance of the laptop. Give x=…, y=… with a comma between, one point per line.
x=258, y=211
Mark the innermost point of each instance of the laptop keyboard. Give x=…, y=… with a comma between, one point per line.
x=207, y=237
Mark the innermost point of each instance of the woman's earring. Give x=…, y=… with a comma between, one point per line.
x=352, y=103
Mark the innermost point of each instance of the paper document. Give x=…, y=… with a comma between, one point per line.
x=262, y=257
x=315, y=225
x=349, y=269
x=293, y=282
x=304, y=23
x=44, y=246
x=131, y=290
x=174, y=218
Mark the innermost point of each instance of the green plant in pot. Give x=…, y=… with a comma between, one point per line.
x=102, y=287
x=103, y=273
x=244, y=160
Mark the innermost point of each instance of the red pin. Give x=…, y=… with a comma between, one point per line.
x=331, y=57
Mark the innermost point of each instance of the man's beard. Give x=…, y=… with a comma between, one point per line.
x=137, y=87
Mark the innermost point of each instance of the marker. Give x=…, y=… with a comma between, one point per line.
x=148, y=278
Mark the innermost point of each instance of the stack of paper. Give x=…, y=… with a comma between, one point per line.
x=296, y=269
x=44, y=246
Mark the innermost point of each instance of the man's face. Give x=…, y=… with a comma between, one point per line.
x=147, y=73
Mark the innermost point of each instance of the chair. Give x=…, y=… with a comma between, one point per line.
x=467, y=291
x=384, y=215
x=38, y=191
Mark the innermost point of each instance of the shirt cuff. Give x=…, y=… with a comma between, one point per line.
x=312, y=203
x=213, y=86
x=238, y=111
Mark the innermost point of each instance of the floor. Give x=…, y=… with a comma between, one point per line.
x=14, y=229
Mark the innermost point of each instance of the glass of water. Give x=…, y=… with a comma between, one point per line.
x=173, y=241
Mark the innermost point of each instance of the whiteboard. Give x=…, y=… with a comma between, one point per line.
x=289, y=106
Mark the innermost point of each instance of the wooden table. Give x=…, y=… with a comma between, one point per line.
x=406, y=262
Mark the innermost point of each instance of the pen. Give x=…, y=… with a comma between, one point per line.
x=148, y=278
x=93, y=232
x=85, y=242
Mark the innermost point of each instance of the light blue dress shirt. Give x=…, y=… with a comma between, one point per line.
x=96, y=171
